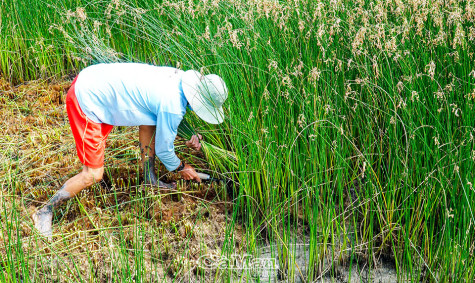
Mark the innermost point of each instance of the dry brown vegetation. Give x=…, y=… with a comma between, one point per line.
x=116, y=220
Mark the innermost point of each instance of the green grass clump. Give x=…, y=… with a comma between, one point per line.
x=219, y=159
x=351, y=121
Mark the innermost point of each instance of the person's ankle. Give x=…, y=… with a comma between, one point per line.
x=150, y=178
x=59, y=198
x=45, y=209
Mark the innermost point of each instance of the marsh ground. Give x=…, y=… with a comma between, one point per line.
x=119, y=220
x=108, y=222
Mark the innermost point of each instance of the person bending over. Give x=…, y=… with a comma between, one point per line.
x=155, y=98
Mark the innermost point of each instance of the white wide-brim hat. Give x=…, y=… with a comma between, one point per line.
x=206, y=95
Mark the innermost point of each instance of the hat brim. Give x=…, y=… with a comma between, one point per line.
x=206, y=112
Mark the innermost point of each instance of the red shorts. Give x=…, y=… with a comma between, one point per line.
x=90, y=137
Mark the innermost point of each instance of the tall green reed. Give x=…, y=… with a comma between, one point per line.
x=352, y=119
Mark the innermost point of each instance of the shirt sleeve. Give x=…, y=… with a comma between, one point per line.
x=167, y=126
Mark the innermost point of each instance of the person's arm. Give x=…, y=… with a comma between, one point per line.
x=187, y=172
x=167, y=126
x=166, y=132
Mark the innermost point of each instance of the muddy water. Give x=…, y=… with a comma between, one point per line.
x=266, y=268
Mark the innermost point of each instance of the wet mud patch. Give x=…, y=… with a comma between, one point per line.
x=336, y=266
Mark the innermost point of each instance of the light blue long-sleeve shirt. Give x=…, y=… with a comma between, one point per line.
x=133, y=94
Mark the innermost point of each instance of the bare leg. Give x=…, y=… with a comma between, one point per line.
x=43, y=217
x=147, y=151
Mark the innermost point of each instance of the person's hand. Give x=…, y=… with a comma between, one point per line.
x=194, y=142
x=189, y=173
